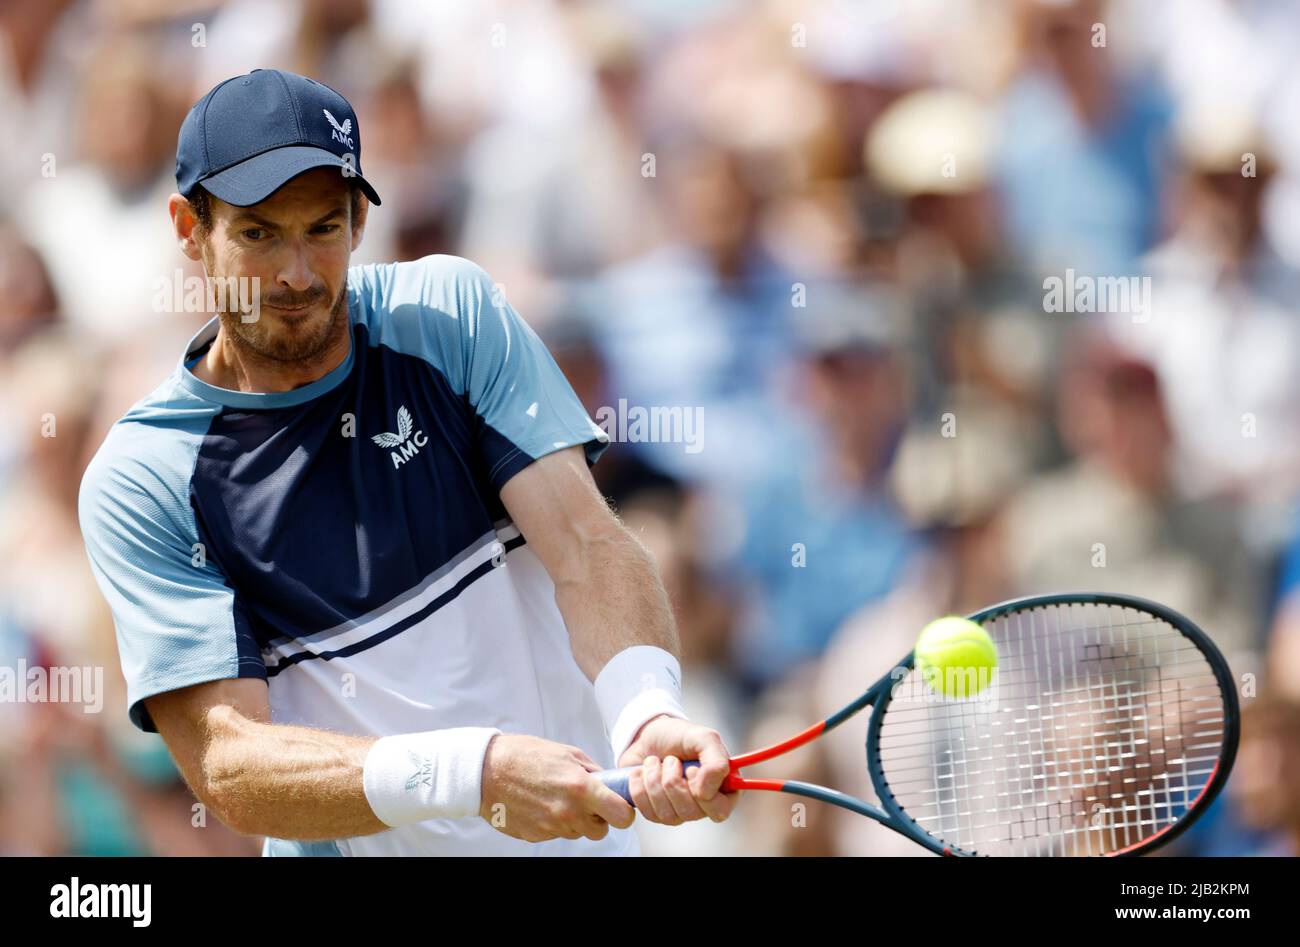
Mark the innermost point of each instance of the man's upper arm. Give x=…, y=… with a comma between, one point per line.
x=178, y=622
x=557, y=506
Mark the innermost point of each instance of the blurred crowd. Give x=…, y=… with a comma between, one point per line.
x=818, y=229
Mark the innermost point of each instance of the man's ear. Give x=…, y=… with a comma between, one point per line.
x=184, y=222
x=359, y=225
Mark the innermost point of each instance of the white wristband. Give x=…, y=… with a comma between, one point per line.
x=637, y=684
x=438, y=774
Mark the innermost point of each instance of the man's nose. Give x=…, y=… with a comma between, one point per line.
x=295, y=273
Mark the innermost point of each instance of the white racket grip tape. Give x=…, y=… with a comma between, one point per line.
x=637, y=684
x=438, y=774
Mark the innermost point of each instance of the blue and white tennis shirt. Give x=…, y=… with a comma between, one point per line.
x=345, y=541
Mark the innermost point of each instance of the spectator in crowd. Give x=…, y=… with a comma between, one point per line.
x=1265, y=814
x=821, y=533
x=39, y=43
x=1083, y=144
x=1221, y=327
x=1112, y=517
x=701, y=323
x=126, y=119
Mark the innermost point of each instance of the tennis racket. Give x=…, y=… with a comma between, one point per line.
x=1110, y=725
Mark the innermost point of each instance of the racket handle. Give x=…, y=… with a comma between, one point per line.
x=616, y=779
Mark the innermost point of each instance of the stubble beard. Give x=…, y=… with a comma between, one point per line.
x=302, y=344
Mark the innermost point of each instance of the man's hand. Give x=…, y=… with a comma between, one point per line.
x=660, y=789
x=535, y=790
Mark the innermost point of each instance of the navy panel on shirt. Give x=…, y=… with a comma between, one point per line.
x=315, y=528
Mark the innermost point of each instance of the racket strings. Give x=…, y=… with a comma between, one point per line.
x=1099, y=731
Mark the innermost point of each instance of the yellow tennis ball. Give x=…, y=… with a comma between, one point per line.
x=955, y=656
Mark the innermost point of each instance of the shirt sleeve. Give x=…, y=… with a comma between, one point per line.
x=525, y=405
x=177, y=621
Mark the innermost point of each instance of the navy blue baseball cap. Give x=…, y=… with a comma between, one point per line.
x=252, y=133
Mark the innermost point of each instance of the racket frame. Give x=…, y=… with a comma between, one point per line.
x=879, y=696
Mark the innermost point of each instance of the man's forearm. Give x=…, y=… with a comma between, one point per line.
x=612, y=598
x=285, y=781
x=608, y=591
x=313, y=785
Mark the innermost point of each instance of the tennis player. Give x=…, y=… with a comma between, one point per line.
x=363, y=583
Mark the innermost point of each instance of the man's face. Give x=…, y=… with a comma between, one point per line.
x=297, y=243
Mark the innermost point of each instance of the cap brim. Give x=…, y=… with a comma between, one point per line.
x=254, y=180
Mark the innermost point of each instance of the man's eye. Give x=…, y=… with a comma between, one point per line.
x=254, y=233
x=327, y=228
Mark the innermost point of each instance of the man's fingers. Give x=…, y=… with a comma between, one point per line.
x=678, y=791
x=609, y=806
x=585, y=761
x=715, y=764
x=636, y=789
x=595, y=828
x=660, y=805
x=718, y=808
